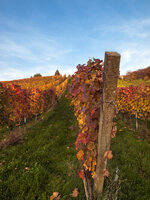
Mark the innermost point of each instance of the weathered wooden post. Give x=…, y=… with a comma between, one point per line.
x=110, y=77
x=136, y=117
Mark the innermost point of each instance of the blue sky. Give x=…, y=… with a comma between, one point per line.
x=40, y=36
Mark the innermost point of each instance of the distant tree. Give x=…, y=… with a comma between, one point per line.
x=128, y=75
x=57, y=73
x=37, y=75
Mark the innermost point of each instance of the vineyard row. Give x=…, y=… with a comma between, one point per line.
x=29, y=98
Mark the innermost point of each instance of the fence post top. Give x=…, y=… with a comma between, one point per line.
x=112, y=53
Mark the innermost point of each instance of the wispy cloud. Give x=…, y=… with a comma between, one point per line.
x=32, y=48
x=133, y=28
x=137, y=28
x=134, y=58
x=132, y=41
x=24, y=55
x=24, y=50
x=10, y=48
x=11, y=74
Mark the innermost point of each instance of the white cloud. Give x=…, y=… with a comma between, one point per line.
x=126, y=55
x=35, y=49
x=133, y=28
x=20, y=58
x=11, y=74
x=8, y=73
x=134, y=58
x=9, y=48
x=68, y=71
x=133, y=43
x=22, y=55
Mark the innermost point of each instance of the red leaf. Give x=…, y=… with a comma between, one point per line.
x=81, y=174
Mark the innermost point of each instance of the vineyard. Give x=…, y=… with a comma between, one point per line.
x=25, y=99
x=134, y=103
x=134, y=99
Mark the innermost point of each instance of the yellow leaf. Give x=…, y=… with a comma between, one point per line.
x=55, y=196
x=80, y=155
x=87, y=81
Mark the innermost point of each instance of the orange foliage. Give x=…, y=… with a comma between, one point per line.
x=29, y=97
x=134, y=99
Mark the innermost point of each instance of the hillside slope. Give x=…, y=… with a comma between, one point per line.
x=46, y=162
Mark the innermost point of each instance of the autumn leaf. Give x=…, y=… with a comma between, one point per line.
x=87, y=81
x=80, y=155
x=81, y=174
x=105, y=155
x=55, y=196
x=75, y=192
x=93, y=111
x=105, y=173
x=108, y=154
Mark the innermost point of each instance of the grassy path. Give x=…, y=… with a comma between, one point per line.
x=46, y=162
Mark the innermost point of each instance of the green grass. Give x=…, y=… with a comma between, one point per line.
x=4, y=131
x=48, y=151
x=132, y=157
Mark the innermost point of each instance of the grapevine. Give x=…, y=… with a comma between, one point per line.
x=86, y=92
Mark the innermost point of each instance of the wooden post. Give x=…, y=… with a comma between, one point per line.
x=25, y=123
x=136, y=117
x=110, y=78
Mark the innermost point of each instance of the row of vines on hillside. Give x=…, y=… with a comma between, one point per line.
x=19, y=102
x=134, y=99
x=43, y=82
x=134, y=103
